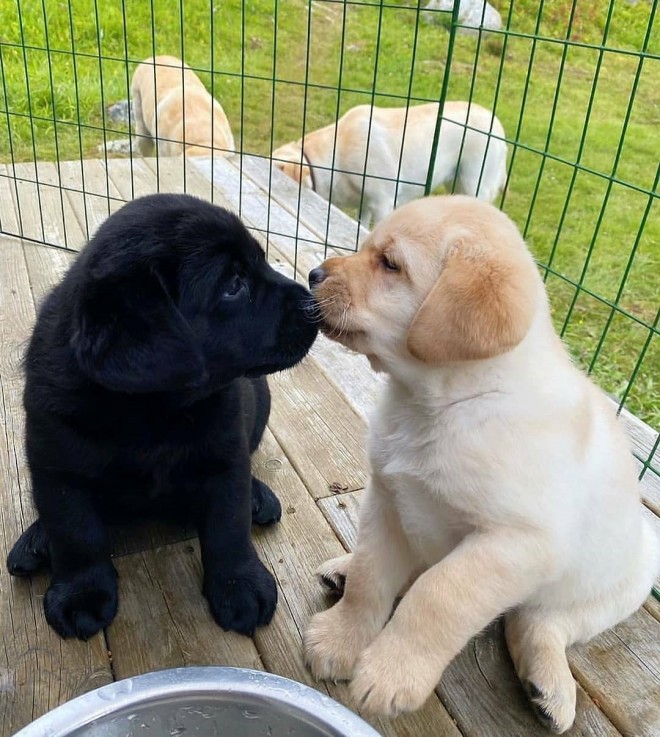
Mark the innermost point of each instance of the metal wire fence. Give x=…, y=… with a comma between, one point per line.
x=573, y=83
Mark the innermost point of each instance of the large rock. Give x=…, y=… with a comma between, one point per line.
x=473, y=13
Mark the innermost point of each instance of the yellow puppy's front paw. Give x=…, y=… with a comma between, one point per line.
x=332, y=644
x=554, y=705
x=389, y=680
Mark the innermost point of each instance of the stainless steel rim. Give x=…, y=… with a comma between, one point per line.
x=133, y=692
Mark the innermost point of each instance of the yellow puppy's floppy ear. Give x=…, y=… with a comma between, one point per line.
x=481, y=306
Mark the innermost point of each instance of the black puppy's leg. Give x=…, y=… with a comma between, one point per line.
x=260, y=409
x=241, y=592
x=266, y=507
x=30, y=552
x=82, y=597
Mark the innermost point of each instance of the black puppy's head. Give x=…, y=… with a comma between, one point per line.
x=173, y=294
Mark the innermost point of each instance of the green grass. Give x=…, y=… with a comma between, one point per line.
x=541, y=95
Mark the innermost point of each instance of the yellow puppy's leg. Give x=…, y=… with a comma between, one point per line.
x=538, y=649
x=379, y=567
x=485, y=575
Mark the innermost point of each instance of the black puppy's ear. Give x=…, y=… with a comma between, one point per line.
x=130, y=337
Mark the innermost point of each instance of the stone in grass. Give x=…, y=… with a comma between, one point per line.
x=476, y=14
x=120, y=112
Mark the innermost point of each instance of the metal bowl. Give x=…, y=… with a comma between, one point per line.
x=201, y=702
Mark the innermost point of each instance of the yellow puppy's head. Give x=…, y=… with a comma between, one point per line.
x=443, y=279
x=290, y=160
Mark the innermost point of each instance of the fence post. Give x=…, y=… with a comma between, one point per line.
x=443, y=95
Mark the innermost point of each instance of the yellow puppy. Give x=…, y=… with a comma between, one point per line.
x=172, y=108
x=497, y=466
x=396, y=143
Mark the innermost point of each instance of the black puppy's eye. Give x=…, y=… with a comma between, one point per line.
x=234, y=286
x=388, y=263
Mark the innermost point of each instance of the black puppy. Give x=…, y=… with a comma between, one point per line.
x=145, y=392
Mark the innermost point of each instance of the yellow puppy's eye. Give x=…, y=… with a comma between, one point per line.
x=388, y=263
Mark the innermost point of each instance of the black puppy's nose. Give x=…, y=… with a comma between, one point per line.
x=316, y=276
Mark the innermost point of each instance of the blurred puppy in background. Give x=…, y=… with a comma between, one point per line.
x=396, y=144
x=172, y=109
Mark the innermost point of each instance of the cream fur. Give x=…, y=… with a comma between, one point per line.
x=380, y=132
x=173, y=109
x=508, y=478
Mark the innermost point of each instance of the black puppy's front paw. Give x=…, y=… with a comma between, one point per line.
x=84, y=603
x=30, y=552
x=243, y=599
x=266, y=507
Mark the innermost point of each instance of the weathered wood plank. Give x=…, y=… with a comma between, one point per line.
x=136, y=538
x=649, y=488
x=91, y=193
x=479, y=688
x=163, y=619
x=652, y=606
x=331, y=226
x=621, y=670
x=351, y=373
x=37, y=670
x=320, y=433
x=293, y=550
x=8, y=218
x=43, y=207
x=177, y=174
x=131, y=177
x=46, y=267
x=290, y=550
x=149, y=175
x=16, y=320
x=267, y=217
x=342, y=512
x=643, y=437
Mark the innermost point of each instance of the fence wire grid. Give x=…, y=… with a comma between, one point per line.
x=574, y=84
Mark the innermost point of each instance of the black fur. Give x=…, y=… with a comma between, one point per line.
x=146, y=393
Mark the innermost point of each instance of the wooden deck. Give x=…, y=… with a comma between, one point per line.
x=312, y=455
